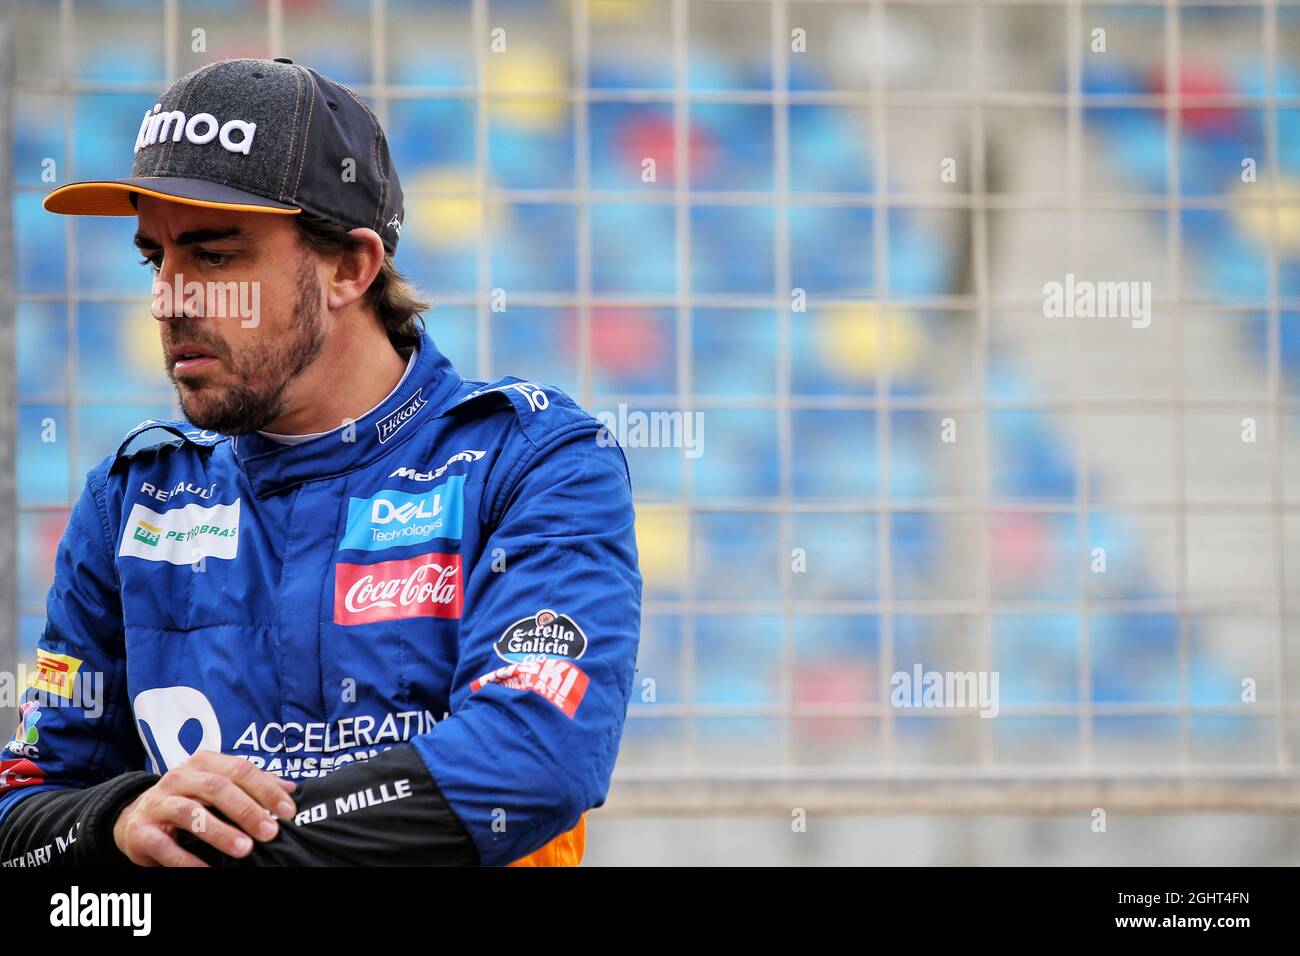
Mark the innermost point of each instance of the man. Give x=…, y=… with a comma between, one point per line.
x=355, y=609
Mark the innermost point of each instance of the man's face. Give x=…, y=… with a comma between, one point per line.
x=231, y=373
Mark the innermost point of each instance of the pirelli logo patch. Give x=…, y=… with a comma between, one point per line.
x=55, y=673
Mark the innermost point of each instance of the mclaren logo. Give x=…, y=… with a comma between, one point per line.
x=413, y=475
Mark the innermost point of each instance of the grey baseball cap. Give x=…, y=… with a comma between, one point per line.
x=265, y=136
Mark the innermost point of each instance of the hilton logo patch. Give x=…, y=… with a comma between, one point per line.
x=393, y=422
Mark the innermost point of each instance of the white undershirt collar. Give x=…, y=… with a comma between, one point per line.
x=302, y=439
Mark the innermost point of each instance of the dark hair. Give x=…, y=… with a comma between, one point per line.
x=395, y=300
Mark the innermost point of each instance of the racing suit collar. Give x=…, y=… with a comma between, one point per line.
x=272, y=466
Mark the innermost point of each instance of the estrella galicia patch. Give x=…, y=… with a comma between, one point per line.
x=543, y=636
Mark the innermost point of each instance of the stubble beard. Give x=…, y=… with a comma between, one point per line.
x=263, y=372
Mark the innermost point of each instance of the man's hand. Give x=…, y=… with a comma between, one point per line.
x=145, y=830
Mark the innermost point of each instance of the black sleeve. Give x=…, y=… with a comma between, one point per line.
x=385, y=811
x=70, y=827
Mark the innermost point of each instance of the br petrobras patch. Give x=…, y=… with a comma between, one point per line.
x=392, y=519
x=182, y=535
x=540, y=637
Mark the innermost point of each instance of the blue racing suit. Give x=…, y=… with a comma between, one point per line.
x=444, y=591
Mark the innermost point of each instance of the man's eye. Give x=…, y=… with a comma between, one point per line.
x=213, y=258
x=151, y=262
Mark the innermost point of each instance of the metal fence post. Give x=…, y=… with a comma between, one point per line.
x=8, y=375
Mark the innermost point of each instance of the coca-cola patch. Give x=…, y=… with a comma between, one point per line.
x=545, y=634
x=560, y=681
x=424, y=586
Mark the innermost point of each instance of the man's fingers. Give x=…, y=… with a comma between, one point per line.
x=224, y=794
x=192, y=817
x=158, y=846
x=266, y=788
x=195, y=797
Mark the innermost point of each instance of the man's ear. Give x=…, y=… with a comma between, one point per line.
x=354, y=271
